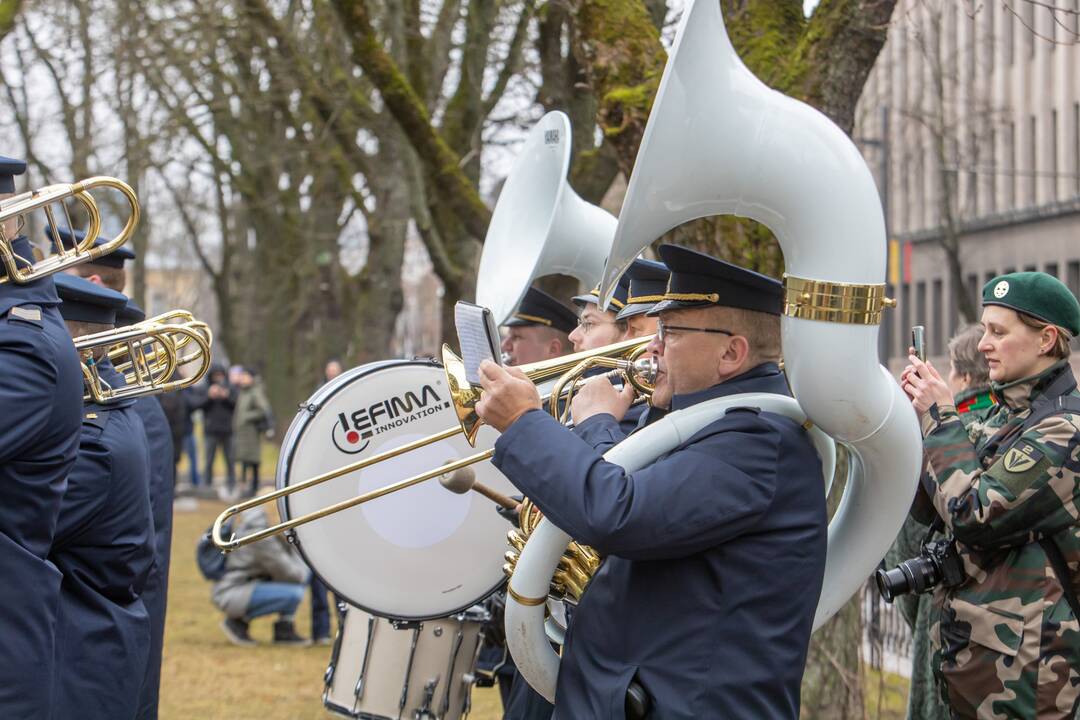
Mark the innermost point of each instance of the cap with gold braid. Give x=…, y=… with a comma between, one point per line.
x=622, y=289
x=648, y=283
x=698, y=280
x=539, y=308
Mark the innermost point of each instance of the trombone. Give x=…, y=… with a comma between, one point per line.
x=63, y=258
x=121, y=354
x=147, y=354
x=627, y=357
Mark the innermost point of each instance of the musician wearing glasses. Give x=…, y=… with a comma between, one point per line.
x=40, y=411
x=104, y=541
x=628, y=318
x=109, y=271
x=715, y=553
x=595, y=327
x=648, y=283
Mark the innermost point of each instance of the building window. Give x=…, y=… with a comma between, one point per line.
x=1007, y=33
x=1032, y=162
x=1051, y=269
x=1053, y=155
x=905, y=310
x=1010, y=165
x=1073, y=281
x=1029, y=22
x=1030, y=268
x=991, y=176
x=971, y=156
x=974, y=291
x=920, y=303
x=888, y=328
x=938, y=322
x=1076, y=143
x=1009, y=271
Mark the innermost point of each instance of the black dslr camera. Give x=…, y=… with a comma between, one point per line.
x=938, y=563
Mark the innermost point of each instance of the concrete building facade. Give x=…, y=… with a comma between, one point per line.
x=971, y=122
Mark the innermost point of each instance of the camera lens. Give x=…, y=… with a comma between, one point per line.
x=922, y=572
x=892, y=583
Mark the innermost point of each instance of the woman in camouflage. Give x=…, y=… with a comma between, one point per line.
x=1007, y=487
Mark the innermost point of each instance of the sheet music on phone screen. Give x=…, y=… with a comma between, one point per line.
x=478, y=337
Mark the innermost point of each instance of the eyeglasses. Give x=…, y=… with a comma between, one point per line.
x=587, y=325
x=663, y=331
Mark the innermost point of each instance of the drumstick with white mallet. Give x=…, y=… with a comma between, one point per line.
x=463, y=480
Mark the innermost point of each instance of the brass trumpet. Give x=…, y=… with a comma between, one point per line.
x=624, y=356
x=147, y=354
x=23, y=270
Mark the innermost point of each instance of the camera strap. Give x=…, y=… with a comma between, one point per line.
x=1061, y=569
x=1055, y=400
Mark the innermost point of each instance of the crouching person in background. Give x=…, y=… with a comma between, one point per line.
x=263, y=578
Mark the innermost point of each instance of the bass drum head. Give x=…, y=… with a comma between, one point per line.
x=415, y=554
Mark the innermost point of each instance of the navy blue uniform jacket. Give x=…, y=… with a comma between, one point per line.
x=104, y=545
x=162, y=468
x=715, y=556
x=40, y=409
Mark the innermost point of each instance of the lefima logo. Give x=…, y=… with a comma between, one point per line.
x=352, y=433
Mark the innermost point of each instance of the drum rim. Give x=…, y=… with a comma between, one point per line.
x=306, y=413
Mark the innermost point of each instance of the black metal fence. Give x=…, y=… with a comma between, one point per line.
x=886, y=635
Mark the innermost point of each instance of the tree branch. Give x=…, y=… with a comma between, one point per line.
x=442, y=164
x=512, y=62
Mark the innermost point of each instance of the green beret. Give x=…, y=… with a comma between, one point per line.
x=1037, y=294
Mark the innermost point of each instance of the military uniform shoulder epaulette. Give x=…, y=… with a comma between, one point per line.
x=25, y=314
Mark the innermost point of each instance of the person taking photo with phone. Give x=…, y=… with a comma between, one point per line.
x=1006, y=488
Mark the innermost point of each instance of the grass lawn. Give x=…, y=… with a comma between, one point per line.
x=206, y=678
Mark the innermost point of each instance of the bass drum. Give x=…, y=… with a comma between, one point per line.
x=416, y=554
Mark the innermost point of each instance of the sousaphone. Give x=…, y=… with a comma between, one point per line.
x=720, y=142
x=540, y=226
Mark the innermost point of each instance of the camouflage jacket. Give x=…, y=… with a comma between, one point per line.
x=1007, y=645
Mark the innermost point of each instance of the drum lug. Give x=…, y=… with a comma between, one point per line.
x=292, y=538
x=424, y=711
x=309, y=408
